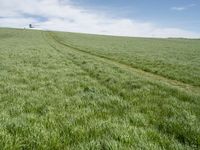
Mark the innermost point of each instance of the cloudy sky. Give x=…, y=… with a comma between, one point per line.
x=144, y=18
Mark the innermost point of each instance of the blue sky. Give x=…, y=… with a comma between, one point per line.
x=158, y=11
x=144, y=18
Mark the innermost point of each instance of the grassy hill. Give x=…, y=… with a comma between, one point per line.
x=76, y=91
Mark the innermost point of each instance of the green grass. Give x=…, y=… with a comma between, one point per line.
x=172, y=58
x=75, y=91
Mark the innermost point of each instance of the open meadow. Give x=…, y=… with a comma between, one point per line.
x=62, y=90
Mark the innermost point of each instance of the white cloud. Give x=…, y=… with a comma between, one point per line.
x=181, y=8
x=64, y=16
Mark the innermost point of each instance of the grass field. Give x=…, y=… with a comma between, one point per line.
x=176, y=59
x=77, y=91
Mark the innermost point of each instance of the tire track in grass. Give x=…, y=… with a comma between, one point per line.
x=188, y=88
x=116, y=92
x=86, y=71
x=175, y=88
x=88, y=74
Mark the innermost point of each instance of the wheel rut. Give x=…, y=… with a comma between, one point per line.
x=90, y=75
x=60, y=49
x=147, y=75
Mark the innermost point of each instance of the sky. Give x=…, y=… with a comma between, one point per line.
x=137, y=18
